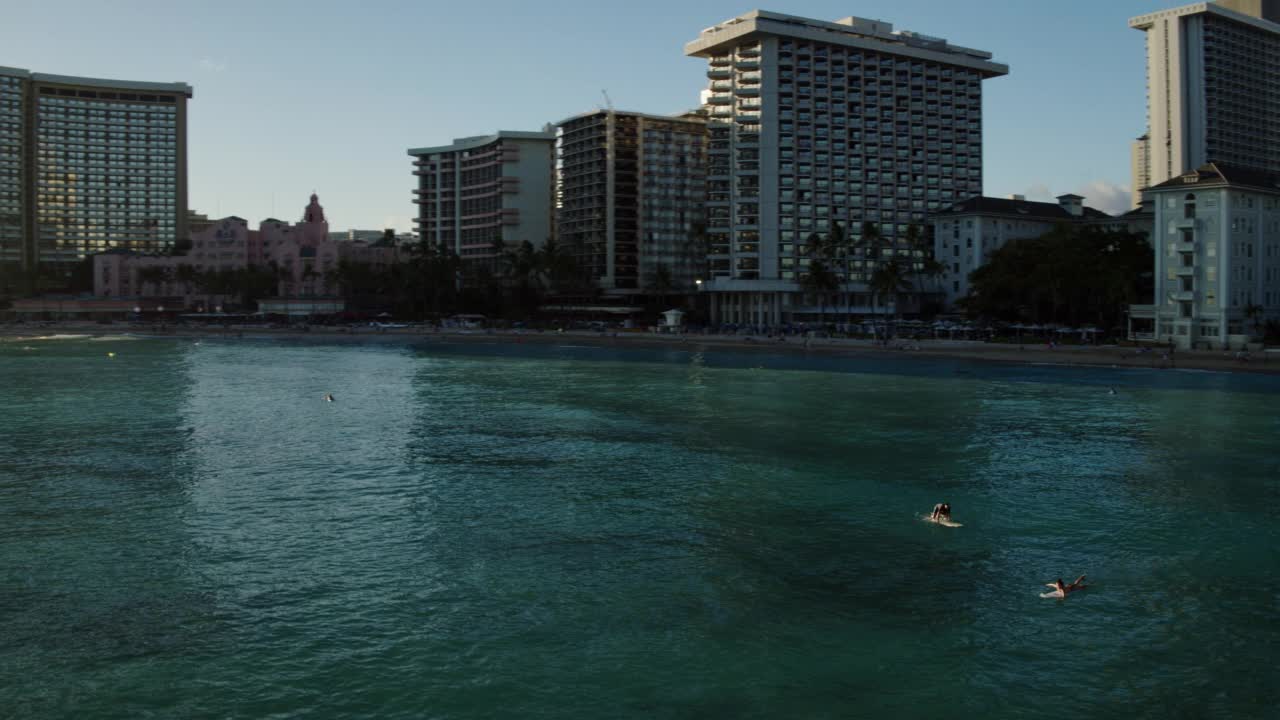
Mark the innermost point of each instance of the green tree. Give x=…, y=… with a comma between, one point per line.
x=153, y=275
x=555, y=265
x=821, y=282
x=186, y=275
x=888, y=282
x=1070, y=275
x=1255, y=312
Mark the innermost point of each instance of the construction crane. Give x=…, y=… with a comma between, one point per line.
x=608, y=102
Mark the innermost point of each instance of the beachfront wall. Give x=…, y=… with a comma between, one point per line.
x=303, y=256
x=1217, y=259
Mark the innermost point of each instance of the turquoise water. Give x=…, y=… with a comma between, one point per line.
x=187, y=530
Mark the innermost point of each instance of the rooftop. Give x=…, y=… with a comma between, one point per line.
x=476, y=141
x=851, y=31
x=982, y=205
x=1220, y=175
x=75, y=81
x=685, y=117
x=1262, y=14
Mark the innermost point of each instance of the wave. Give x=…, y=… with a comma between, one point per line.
x=51, y=337
x=113, y=338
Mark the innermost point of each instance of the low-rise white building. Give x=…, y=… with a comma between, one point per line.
x=1217, y=259
x=965, y=234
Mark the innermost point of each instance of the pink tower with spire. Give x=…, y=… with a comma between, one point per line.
x=314, y=229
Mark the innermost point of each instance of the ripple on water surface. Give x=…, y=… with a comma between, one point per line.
x=188, y=529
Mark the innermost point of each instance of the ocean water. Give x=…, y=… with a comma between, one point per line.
x=188, y=530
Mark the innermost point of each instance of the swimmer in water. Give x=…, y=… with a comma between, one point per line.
x=328, y=397
x=1111, y=391
x=941, y=511
x=1061, y=590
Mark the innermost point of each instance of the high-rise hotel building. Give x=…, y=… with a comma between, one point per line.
x=817, y=122
x=1213, y=89
x=632, y=189
x=87, y=165
x=481, y=195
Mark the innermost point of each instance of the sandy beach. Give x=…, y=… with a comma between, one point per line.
x=1039, y=353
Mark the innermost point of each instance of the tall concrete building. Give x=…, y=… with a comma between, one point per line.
x=814, y=123
x=632, y=189
x=88, y=165
x=482, y=195
x=1213, y=89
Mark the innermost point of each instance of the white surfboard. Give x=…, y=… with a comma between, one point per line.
x=941, y=521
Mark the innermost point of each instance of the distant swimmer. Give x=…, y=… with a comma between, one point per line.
x=328, y=397
x=1111, y=391
x=1061, y=590
x=111, y=354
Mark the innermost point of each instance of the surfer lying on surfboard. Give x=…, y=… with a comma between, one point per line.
x=1061, y=590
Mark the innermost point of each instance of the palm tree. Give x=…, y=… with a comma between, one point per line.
x=1254, y=312
x=820, y=281
x=871, y=240
x=153, y=275
x=521, y=267
x=309, y=275
x=662, y=283
x=185, y=274
x=838, y=247
x=887, y=282
x=554, y=265
x=923, y=264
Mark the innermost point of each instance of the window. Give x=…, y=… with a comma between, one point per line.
x=1189, y=207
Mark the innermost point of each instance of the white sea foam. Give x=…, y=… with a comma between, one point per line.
x=58, y=336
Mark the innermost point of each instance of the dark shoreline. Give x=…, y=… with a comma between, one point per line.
x=1039, y=354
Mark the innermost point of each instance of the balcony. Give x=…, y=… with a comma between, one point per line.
x=1186, y=271
x=1183, y=295
x=748, y=64
x=721, y=61
x=724, y=99
x=719, y=73
x=1185, y=223
x=748, y=90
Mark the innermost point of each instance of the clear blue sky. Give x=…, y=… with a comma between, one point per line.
x=292, y=97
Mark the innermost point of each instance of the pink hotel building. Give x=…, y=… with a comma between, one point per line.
x=302, y=253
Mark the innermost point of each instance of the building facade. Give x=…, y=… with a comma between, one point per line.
x=1217, y=258
x=88, y=165
x=1213, y=89
x=814, y=123
x=966, y=233
x=302, y=256
x=1139, y=168
x=484, y=194
x=632, y=192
